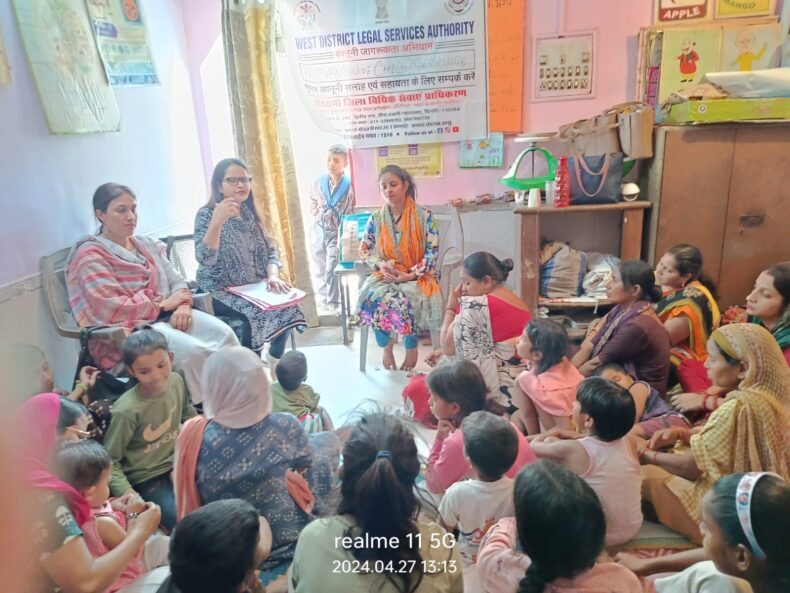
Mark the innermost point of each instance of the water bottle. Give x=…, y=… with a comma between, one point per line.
x=562, y=192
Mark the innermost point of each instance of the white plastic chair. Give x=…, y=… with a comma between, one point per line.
x=451, y=255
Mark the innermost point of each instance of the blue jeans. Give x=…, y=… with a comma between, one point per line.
x=159, y=490
x=383, y=338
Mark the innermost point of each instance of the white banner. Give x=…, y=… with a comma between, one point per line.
x=389, y=72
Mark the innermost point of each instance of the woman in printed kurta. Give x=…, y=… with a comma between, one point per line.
x=401, y=243
x=232, y=249
x=117, y=278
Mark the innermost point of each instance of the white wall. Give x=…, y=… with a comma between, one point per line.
x=46, y=181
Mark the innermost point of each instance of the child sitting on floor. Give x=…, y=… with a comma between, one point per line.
x=549, y=387
x=554, y=540
x=86, y=466
x=473, y=506
x=291, y=394
x=605, y=413
x=458, y=389
x=653, y=412
x=145, y=422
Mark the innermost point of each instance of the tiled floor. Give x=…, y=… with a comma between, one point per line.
x=333, y=371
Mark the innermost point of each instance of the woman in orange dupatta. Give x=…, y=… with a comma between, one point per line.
x=401, y=243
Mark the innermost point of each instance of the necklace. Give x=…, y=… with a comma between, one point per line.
x=395, y=221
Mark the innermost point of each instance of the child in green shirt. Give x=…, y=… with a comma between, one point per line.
x=145, y=423
x=291, y=394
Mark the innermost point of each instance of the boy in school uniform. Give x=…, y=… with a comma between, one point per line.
x=331, y=197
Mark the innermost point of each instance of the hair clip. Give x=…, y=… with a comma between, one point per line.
x=386, y=454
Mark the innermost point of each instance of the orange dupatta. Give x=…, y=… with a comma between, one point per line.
x=411, y=249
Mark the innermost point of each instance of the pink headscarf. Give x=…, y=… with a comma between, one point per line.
x=37, y=422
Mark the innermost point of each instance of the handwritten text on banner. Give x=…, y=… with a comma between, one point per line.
x=407, y=72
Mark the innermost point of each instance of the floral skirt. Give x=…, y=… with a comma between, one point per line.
x=402, y=308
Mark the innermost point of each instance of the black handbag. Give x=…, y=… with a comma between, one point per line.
x=108, y=386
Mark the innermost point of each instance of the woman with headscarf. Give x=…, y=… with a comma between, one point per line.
x=239, y=449
x=749, y=432
x=41, y=424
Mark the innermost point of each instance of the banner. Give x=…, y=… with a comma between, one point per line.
x=391, y=72
x=421, y=160
x=123, y=42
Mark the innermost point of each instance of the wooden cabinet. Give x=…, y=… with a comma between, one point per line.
x=726, y=189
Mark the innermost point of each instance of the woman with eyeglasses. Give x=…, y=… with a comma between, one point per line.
x=233, y=248
x=65, y=564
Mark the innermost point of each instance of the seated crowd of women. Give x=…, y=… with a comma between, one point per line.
x=527, y=450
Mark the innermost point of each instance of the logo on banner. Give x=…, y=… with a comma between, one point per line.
x=458, y=7
x=306, y=14
x=382, y=13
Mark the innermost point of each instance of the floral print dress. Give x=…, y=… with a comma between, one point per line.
x=402, y=308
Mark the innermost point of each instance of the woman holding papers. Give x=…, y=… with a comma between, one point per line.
x=233, y=249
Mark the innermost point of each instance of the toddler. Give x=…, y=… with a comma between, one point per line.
x=605, y=413
x=291, y=394
x=458, y=389
x=653, y=412
x=145, y=422
x=473, y=506
x=86, y=466
x=549, y=387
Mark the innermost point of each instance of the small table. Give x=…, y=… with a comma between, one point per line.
x=343, y=272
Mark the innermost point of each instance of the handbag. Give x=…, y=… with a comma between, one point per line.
x=635, y=128
x=596, y=135
x=108, y=386
x=595, y=179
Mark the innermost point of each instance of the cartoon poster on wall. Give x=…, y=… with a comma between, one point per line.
x=751, y=47
x=488, y=152
x=5, y=69
x=66, y=67
x=122, y=40
x=686, y=55
x=682, y=11
x=728, y=9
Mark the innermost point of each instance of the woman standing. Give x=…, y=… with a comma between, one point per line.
x=401, y=243
x=687, y=307
x=631, y=334
x=232, y=249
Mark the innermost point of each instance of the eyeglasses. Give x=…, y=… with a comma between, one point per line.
x=82, y=434
x=238, y=180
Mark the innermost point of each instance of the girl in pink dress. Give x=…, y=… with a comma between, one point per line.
x=545, y=393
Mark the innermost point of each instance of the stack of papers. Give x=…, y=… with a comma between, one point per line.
x=258, y=294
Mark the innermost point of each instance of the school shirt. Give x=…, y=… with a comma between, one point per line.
x=474, y=507
x=142, y=434
x=322, y=563
x=301, y=401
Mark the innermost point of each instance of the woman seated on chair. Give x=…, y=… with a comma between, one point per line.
x=233, y=248
x=119, y=278
x=483, y=321
x=401, y=243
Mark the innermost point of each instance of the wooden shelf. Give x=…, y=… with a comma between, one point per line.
x=618, y=207
x=553, y=304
